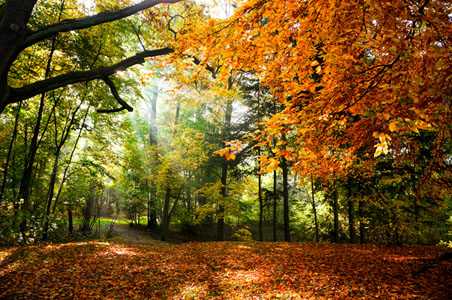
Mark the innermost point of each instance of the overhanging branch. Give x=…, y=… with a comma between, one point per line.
x=118, y=98
x=208, y=68
x=31, y=90
x=76, y=24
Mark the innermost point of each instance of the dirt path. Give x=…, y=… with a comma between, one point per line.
x=123, y=233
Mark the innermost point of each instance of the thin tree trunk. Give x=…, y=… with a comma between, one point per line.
x=362, y=230
x=275, y=198
x=58, y=146
x=285, y=171
x=87, y=213
x=25, y=185
x=165, y=221
x=220, y=212
x=224, y=170
x=152, y=210
x=65, y=175
x=314, y=209
x=50, y=193
x=261, y=204
x=351, y=217
x=336, y=216
x=416, y=208
x=71, y=224
x=24, y=190
x=10, y=148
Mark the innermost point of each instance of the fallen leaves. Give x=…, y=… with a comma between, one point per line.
x=223, y=270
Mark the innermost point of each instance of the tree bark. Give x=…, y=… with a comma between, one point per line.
x=362, y=230
x=25, y=183
x=88, y=212
x=165, y=221
x=275, y=198
x=10, y=148
x=336, y=216
x=224, y=170
x=70, y=221
x=285, y=171
x=261, y=204
x=153, y=133
x=314, y=209
x=351, y=217
x=15, y=37
x=58, y=146
x=65, y=173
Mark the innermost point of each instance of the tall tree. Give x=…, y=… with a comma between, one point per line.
x=363, y=82
x=16, y=35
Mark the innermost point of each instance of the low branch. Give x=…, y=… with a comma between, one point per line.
x=31, y=90
x=86, y=22
x=208, y=68
x=118, y=98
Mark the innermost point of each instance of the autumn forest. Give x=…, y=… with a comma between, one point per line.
x=225, y=149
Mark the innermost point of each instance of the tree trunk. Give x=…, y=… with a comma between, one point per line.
x=65, y=173
x=65, y=133
x=336, y=216
x=362, y=230
x=224, y=171
x=25, y=183
x=351, y=217
x=88, y=212
x=69, y=215
x=153, y=133
x=50, y=193
x=261, y=204
x=285, y=171
x=220, y=212
x=275, y=198
x=314, y=209
x=10, y=148
x=165, y=221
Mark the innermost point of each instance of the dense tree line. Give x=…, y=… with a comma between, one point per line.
x=233, y=137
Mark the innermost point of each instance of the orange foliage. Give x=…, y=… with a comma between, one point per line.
x=358, y=80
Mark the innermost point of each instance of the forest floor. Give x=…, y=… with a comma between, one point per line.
x=132, y=265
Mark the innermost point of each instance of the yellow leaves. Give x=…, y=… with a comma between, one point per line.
x=393, y=126
x=318, y=69
x=382, y=147
x=268, y=164
x=230, y=156
x=229, y=152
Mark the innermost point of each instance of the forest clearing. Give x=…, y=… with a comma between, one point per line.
x=295, y=149
x=143, y=269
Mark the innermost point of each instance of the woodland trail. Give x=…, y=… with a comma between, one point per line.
x=125, y=234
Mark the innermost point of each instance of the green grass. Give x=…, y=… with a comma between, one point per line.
x=103, y=221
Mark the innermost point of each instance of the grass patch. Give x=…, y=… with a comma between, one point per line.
x=103, y=221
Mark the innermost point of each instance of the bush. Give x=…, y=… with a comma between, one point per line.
x=242, y=234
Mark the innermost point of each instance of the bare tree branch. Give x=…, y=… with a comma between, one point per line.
x=114, y=91
x=76, y=24
x=31, y=90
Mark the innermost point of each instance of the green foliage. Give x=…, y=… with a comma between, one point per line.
x=242, y=234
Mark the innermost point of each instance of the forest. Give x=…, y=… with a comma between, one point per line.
x=136, y=130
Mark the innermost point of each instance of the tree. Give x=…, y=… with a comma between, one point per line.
x=357, y=80
x=16, y=35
